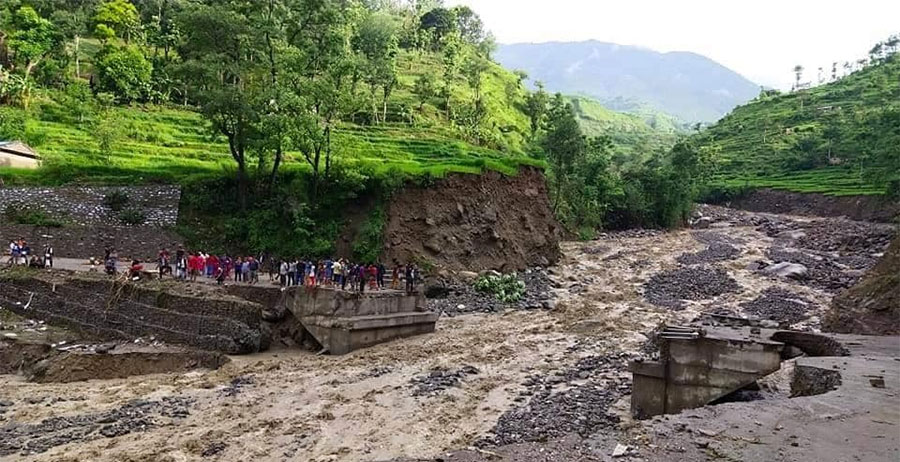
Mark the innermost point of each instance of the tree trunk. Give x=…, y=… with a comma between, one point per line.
x=243, y=186
x=275, y=164
x=327, y=152
x=77, y=56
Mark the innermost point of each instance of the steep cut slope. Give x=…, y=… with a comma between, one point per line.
x=871, y=307
x=687, y=85
x=469, y=222
x=837, y=139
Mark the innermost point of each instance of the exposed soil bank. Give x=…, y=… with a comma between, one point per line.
x=864, y=208
x=871, y=307
x=475, y=222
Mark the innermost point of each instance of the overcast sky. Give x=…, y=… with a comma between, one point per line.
x=760, y=39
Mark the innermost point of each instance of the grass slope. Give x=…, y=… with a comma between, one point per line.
x=806, y=141
x=633, y=136
x=171, y=144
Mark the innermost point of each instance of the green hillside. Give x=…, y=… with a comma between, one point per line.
x=633, y=136
x=169, y=143
x=841, y=138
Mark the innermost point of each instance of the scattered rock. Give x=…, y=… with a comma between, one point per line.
x=787, y=270
x=439, y=380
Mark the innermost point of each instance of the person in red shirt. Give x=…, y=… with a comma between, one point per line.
x=194, y=265
x=373, y=277
x=213, y=263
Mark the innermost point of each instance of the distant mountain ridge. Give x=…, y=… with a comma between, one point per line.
x=689, y=86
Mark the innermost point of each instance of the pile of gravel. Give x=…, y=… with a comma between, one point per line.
x=777, y=304
x=135, y=416
x=591, y=387
x=718, y=248
x=439, y=380
x=669, y=289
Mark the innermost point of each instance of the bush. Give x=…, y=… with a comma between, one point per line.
x=132, y=216
x=116, y=200
x=368, y=243
x=124, y=72
x=25, y=216
x=506, y=288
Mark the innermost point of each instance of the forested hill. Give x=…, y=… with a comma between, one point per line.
x=689, y=86
x=635, y=136
x=840, y=138
x=114, y=91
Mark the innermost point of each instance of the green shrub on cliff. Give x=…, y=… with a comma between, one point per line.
x=506, y=288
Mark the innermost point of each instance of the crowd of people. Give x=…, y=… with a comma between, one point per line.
x=190, y=266
x=20, y=253
x=332, y=273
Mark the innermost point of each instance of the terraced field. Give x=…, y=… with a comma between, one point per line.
x=834, y=139
x=161, y=144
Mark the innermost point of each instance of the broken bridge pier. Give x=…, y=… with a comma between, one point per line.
x=697, y=367
x=345, y=321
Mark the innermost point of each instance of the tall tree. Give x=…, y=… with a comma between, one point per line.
x=119, y=15
x=225, y=67
x=536, y=107
x=377, y=40
x=32, y=39
x=563, y=143
x=320, y=70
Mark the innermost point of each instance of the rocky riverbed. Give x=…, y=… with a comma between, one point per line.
x=543, y=380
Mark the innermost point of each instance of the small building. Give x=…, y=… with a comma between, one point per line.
x=18, y=155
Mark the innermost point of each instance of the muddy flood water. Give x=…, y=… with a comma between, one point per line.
x=482, y=380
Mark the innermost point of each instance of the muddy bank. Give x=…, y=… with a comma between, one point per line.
x=871, y=307
x=475, y=222
x=864, y=208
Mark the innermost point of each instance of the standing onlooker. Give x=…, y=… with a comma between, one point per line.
x=409, y=278
x=245, y=270
x=212, y=262
x=254, y=270
x=193, y=266
x=338, y=269
x=181, y=265
x=379, y=272
x=24, y=252
x=283, y=273
x=361, y=276
x=395, y=277
x=48, y=256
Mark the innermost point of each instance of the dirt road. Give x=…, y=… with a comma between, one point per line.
x=481, y=379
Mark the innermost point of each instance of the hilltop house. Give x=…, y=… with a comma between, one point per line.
x=18, y=154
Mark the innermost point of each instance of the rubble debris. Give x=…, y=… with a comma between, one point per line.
x=669, y=289
x=439, y=380
x=718, y=249
x=781, y=305
x=236, y=386
x=135, y=416
x=591, y=387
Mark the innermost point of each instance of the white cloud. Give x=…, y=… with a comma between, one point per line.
x=761, y=39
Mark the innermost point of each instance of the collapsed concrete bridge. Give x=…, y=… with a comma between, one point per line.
x=698, y=366
x=239, y=321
